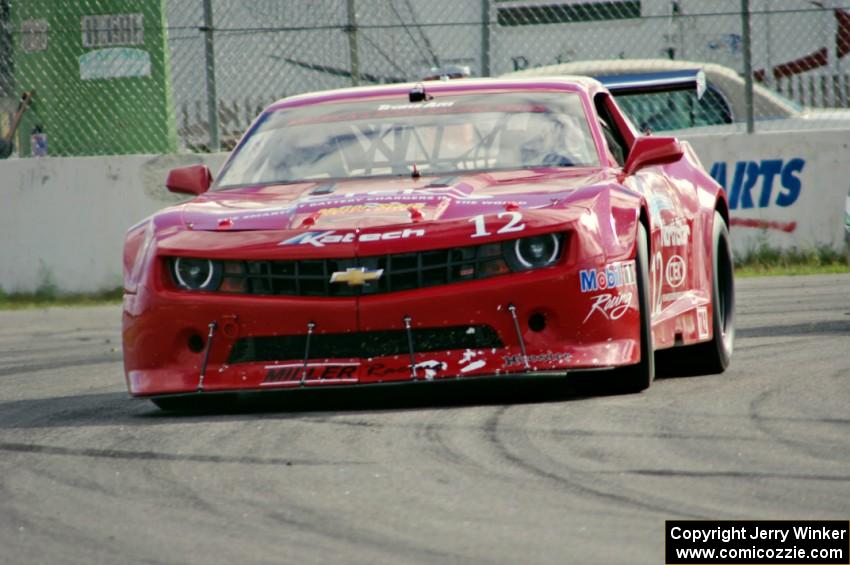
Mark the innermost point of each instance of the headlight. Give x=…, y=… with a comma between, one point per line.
x=196, y=274
x=533, y=252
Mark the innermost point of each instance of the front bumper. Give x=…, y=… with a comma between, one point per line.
x=541, y=319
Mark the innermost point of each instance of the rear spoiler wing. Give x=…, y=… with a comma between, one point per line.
x=660, y=81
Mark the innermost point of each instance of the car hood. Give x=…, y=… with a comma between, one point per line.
x=370, y=203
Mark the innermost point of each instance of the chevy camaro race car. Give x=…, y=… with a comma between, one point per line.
x=421, y=232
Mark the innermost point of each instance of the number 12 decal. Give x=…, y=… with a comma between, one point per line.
x=514, y=224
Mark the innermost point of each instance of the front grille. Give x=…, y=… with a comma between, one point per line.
x=362, y=344
x=404, y=271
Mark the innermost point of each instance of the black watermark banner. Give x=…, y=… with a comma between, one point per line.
x=760, y=542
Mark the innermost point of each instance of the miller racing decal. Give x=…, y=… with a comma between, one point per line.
x=311, y=372
x=612, y=276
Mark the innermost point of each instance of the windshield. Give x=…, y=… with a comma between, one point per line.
x=446, y=135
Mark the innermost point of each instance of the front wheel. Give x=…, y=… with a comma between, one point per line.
x=638, y=377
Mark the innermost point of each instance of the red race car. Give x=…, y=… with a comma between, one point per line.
x=421, y=232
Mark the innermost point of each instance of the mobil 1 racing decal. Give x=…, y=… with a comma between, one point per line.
x=611, y=276
x=311, y=373
x=620, y=276
x=327, y=237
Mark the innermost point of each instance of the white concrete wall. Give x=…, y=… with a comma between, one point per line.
x=63, y=220
x=799, y=183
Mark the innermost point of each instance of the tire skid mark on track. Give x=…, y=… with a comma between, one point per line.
x=439, y=426
x=439, y=432
x=329, y=526
x=583, y=434
x=780, y=345
x=24, y=347
x=440, y=448
x=813, y=448
x=59, y=364
x=824, y=327
x=310, y=528
x=67, y=538
x=437, y=435
x=178, y=488
x=492, y=427
x=159, y=456
x=64, y=531
x=337, y=421
x=750, y=475
x=63, y=412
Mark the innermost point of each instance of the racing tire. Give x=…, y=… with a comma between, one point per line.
x=636, y=378
x=713, y=356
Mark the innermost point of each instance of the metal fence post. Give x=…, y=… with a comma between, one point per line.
x=352, y=43
x=485, y=38
x=212, y=97
x=6, y=71
x=748, y=64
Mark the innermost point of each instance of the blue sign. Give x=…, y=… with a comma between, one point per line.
x=744, y=192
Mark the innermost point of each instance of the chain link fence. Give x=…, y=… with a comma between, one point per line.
x=161, y=76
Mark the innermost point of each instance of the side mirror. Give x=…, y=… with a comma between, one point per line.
x=194, y=179
x=652, y=150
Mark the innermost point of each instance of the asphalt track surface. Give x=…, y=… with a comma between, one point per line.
x=502, y=472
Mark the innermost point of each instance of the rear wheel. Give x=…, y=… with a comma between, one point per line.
x=714, y=356
x=638, y=377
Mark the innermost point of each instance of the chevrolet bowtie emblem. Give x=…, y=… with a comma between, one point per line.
x=356, y=276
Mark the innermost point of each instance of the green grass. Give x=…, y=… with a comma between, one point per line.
x=765, y=260
x=744, y=272
x=48, y=295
